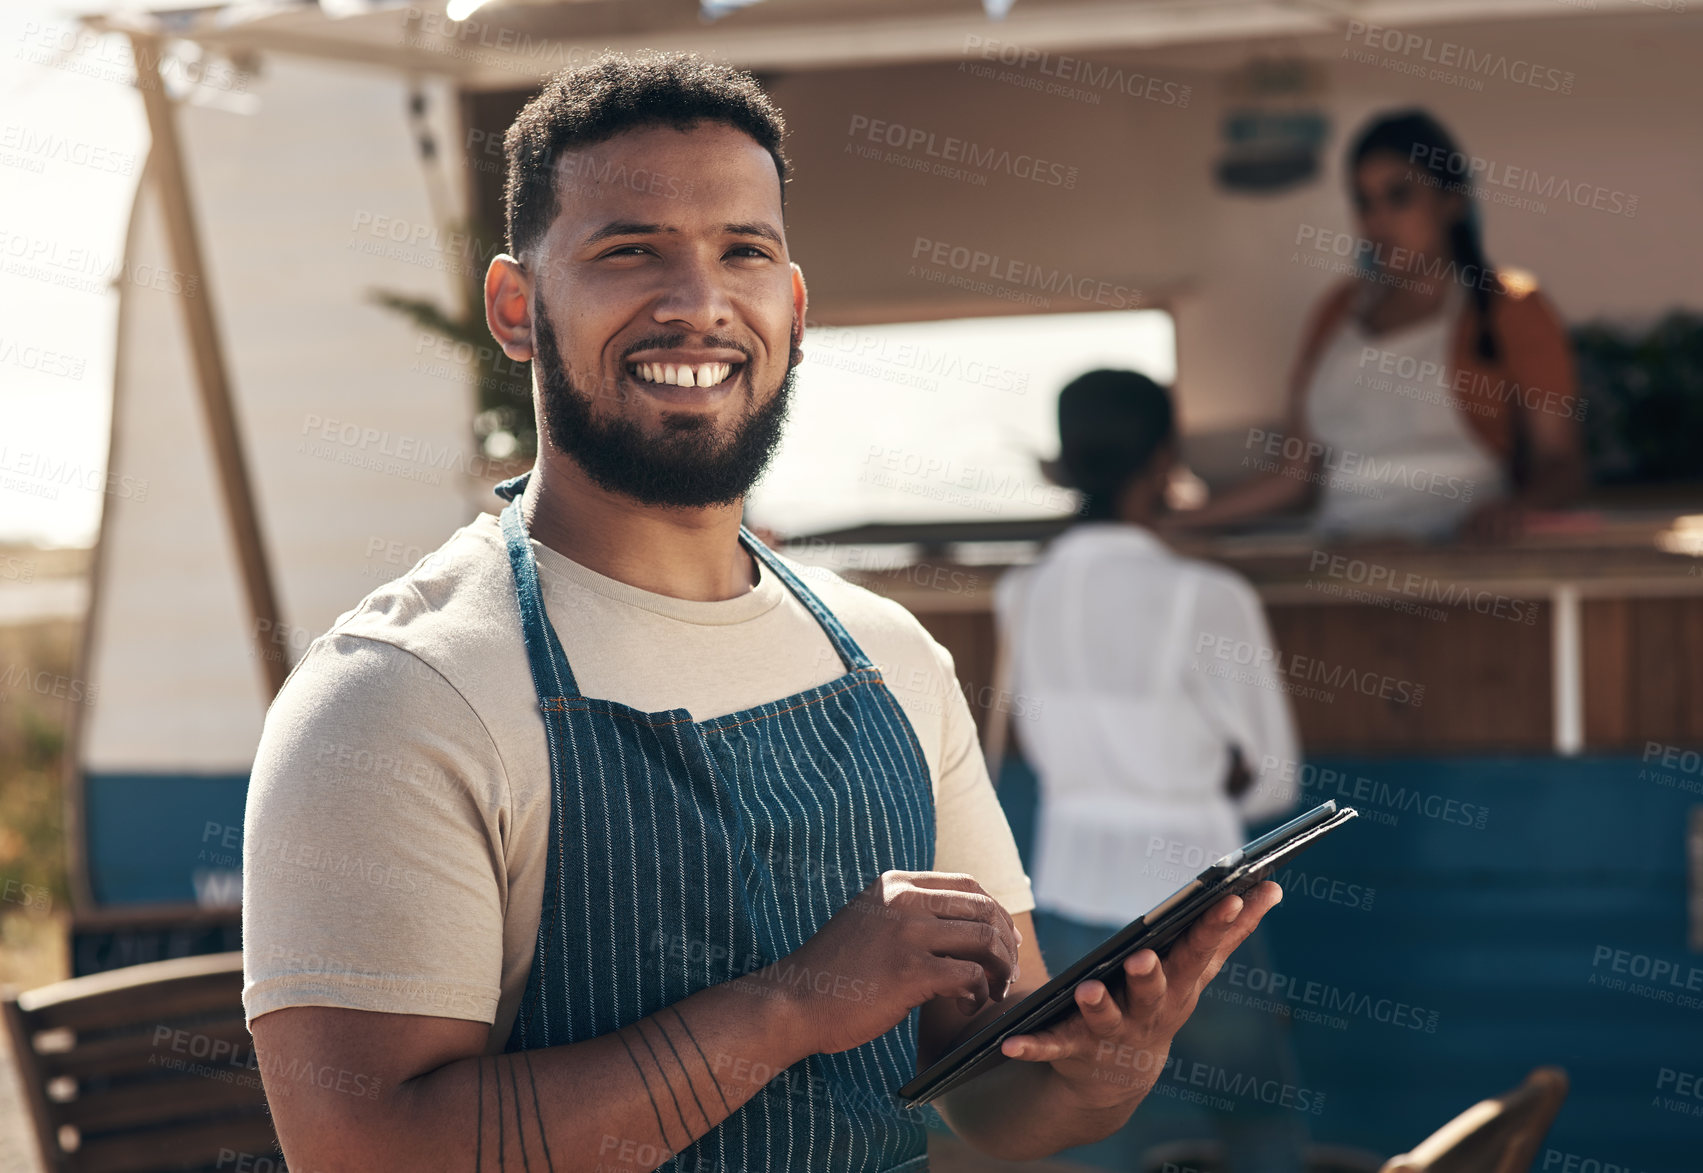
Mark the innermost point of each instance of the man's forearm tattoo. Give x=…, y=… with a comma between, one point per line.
x=661, y=1049
x=538, y=1114
x=515, y=1097
x=670, y=1064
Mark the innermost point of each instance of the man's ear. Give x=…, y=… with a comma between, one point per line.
x=800, y=302
x=508, y=306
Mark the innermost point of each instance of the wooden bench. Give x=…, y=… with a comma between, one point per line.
x=143, y=1069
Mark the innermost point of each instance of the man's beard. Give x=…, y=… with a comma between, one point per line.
x=687, y=466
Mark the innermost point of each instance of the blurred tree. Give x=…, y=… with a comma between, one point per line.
x=502, y=423
x=1644, y=399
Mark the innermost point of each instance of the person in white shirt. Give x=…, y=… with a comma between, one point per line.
x=1158, y=729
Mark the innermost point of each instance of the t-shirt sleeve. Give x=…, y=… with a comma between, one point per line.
x=971, y=834
x=373, y=873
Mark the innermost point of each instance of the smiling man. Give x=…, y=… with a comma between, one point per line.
x=603, y=839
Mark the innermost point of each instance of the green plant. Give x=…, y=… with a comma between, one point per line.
x=1644, y=393
x=502, y=424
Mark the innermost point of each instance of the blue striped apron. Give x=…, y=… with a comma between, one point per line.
x=685, y=853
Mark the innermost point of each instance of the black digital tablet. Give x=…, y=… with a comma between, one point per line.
x=1235, y=874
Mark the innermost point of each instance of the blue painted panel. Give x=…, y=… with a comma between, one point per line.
x=1513, y=933
x=165, y=838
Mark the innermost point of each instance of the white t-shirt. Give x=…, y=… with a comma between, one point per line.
x=1135, y=672
x=1401, y=460
x=394, y=845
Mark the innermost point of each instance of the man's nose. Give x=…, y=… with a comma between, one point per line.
x=695, y=295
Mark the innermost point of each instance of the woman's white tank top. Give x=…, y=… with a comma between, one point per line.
x=1399, y=458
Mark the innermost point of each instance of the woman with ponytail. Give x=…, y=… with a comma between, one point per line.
x=1434, y=393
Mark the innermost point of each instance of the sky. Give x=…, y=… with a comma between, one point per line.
x=947, y=420
x=73, y=140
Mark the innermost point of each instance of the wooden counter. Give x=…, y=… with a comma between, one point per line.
x=1583, y=635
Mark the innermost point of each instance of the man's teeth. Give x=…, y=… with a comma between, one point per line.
x=682, y=374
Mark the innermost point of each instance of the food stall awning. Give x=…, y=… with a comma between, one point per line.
x=505, y=44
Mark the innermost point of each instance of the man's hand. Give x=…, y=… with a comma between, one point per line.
x=1113, y=1052
x=907, y=939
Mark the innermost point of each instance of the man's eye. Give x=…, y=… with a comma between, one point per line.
x=750, y=250
x=1400, y=197
x=626, y=250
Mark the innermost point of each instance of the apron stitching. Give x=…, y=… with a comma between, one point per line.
x=872, y=773
x=583, y=705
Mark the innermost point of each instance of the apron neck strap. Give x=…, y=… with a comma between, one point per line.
x=844, y=644
x=550, y=671
x=551, y=676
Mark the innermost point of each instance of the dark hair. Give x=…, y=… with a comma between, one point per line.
x=1110, y=425
x=589, y=104
x=1421, y=141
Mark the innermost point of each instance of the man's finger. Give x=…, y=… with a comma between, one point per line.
x=1190, y=956
x=1144, y=984
x=1099, y=1009
x=1260, y=900
x=977, y=941
x=959, y=896
x=1041, y=1047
